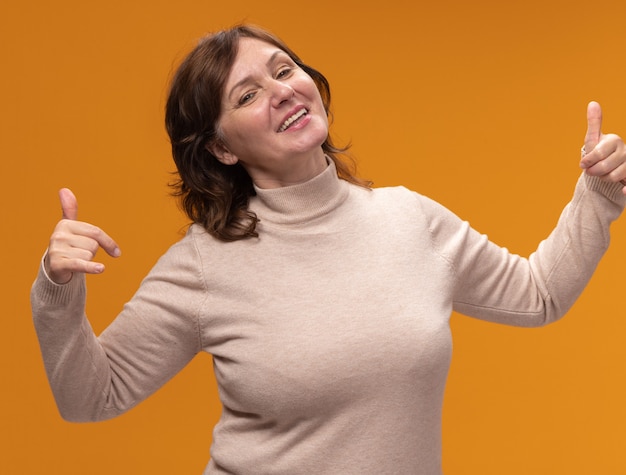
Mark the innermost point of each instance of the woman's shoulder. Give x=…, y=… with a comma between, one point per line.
x=409, y=203
x=185, y=250
x=393, y=195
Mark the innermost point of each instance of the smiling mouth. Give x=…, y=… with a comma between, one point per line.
x=293, y=119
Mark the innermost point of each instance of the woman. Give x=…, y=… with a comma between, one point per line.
x=324, y=303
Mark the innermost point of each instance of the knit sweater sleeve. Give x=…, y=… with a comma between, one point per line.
x=156, y=334
x=492, y=284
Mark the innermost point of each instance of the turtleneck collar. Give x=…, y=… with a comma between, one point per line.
x=302, y=202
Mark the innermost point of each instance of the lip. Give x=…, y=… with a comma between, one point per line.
x=303, y=121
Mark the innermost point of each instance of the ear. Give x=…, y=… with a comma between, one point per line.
x=221, y=152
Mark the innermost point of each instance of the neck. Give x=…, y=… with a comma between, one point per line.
x=296, y=170
x=302, y=202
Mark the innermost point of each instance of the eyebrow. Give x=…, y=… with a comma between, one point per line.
x=248, y=78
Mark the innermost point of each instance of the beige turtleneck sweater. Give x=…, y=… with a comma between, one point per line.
x=329, y=332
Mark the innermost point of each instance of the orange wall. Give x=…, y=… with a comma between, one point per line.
x=480, y=105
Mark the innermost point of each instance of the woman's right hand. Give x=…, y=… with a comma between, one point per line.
x=74, y=244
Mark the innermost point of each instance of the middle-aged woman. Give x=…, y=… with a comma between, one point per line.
x=325, y=304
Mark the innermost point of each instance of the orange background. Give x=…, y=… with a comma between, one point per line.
x=480, y=105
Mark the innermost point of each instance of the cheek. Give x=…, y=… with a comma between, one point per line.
x=231, y=130
x=242, y=133
x=321, y=106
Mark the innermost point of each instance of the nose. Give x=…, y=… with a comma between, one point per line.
x=281, y=92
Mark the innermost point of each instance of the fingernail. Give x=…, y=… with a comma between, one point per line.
x=117, y=252
x=99, y=268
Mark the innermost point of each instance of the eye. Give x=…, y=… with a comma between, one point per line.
x=247, y=97
x=284, y=72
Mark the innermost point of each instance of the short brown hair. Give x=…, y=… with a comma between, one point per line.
x=211, y=193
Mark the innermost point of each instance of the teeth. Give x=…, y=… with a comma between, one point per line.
x=292, y=119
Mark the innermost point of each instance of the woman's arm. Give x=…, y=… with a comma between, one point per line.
x=495, y=285
x=156, y=334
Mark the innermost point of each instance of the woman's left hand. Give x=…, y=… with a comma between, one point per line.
x=603, y=155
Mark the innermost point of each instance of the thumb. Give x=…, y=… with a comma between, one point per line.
x=69, y=204
x=594, y=126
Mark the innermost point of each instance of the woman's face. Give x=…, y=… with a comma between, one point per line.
x=273, y=120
